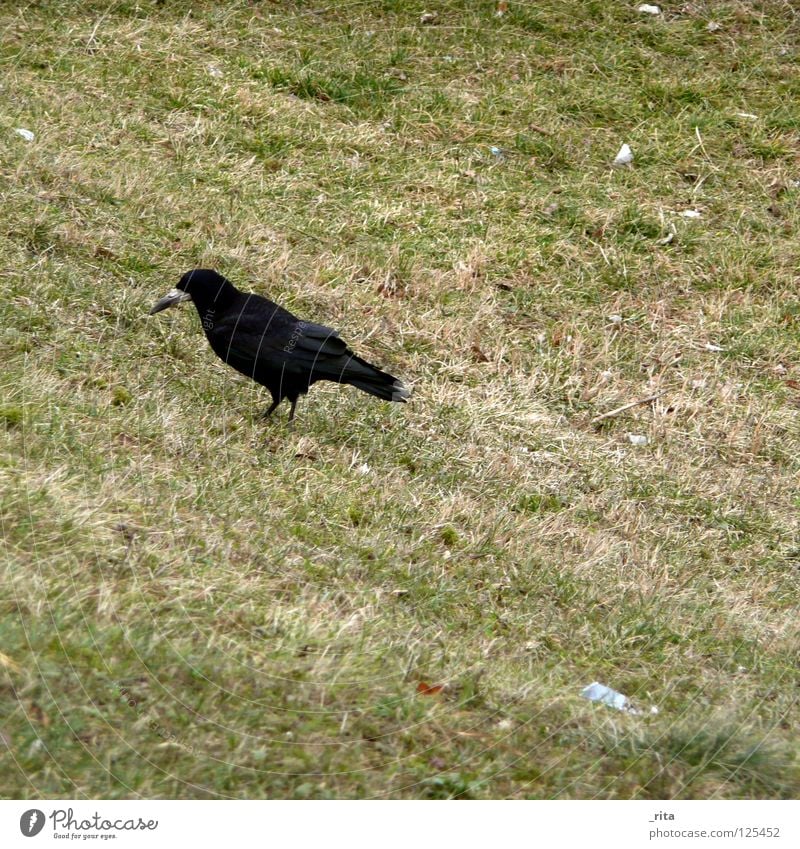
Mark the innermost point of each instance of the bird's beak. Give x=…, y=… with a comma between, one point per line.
x=171, y=299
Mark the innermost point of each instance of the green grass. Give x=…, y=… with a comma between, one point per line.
x=200, y=604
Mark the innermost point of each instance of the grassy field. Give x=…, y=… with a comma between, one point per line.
x=402, y=600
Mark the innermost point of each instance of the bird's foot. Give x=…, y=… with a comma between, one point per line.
x=270, y=410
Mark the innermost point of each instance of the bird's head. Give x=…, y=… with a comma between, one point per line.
x=202, y=285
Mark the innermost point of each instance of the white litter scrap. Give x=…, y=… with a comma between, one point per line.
x=597, y=692
x=624, y=157
x=691, y=213
x=713, y=26
x=214, y=71
x=715, y=349
x=637, y=439
x=748, y=116
x=26, y=134
x=647, y=9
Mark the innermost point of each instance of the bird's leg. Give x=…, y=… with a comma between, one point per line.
x=270, y=410
x=291, y=412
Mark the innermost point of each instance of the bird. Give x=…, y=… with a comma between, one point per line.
x=275, y=348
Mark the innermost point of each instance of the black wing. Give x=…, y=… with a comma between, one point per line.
x=261, y=335
x=285, y=354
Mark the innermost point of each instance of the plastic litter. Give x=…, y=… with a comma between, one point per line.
x=690, y=213
x=597, y=692
x=624, y=157
x=26, y=134
x=637, y=439
x=648, y=9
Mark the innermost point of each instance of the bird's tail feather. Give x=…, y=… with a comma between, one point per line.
x=367, y=378
x=392, y=392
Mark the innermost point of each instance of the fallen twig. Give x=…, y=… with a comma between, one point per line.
x=627, y=406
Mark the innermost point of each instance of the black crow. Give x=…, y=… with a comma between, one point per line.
x=273, y=347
